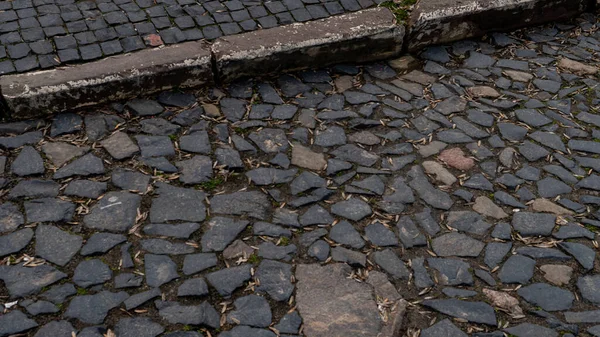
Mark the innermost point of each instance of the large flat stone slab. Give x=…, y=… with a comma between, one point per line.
x=333, y=305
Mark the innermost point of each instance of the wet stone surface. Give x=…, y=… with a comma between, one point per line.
x=466, y=185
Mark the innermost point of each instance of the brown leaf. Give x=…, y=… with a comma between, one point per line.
x=504, y=301
x=110, y=333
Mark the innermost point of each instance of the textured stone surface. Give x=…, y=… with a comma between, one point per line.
x=312, y=201
x=227, y=280
x=324, y=294
x=201, y=314
x=443, y=328
x=120, y=146
x=61, y=153
x=139, y=326
x=189, y=206
x=549, y=298
x=455, y=244
x=456, y=158
x=220, y=232
x=275, y=279
x=304, y=157
x=15, y=241
x=477, y=312
x=92, y=309
x=116, y=212
x=15, y=322
x=253, y=204
x=160, y=269
x=557, y=274
x=55, y=245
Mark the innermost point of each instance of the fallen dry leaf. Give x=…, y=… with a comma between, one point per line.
x=504, y=301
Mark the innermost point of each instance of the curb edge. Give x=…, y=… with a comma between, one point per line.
x=363, y=36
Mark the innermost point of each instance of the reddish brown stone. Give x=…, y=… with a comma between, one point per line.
x=153, y=40
x=456, y=158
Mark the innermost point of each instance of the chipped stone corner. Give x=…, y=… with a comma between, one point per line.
x=443, y=21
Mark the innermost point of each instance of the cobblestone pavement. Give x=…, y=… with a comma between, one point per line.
x=313, y=203
x=43, y=34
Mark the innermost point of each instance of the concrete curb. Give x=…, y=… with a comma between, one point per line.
x=442, y=21
x=363, y=36
x=115, y=78
x=367, y=35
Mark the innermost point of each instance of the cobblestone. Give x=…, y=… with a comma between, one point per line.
x=49, y=33
x=466, y=185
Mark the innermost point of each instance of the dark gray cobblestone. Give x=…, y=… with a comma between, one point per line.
x=42, y=34
x=467, y=185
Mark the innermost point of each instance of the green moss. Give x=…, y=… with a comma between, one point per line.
x=284, y=241
x=212, y=184
x=81, y=291
x=254, y=259
x=241, y=131
x=590, y=96
x=173, y=137
x=401, y=9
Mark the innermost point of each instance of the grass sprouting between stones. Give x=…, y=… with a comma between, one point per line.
x=400, y=8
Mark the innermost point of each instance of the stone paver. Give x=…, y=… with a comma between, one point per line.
x=316, y=203
x=44, y=34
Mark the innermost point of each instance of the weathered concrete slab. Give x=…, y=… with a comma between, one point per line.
x=441, y=21
x=111, y=79
x=366, y=35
